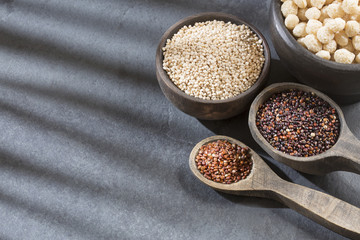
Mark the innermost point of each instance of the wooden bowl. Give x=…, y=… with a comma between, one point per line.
x=340, y=81
x=209, y=109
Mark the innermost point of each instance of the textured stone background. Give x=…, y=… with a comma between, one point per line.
x=91, y=149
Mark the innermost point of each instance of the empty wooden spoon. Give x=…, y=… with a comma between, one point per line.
x=322, y=208
x=343, y=156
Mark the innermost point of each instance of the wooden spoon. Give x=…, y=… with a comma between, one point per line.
x=322, y=208
x=343, y=156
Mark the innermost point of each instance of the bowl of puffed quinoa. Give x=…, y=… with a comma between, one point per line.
x=212, y=65
x=318, y=41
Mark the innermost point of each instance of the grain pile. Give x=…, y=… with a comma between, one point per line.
x=298, y=123
x=328, y=28
x=224, y=162
x=214, y=60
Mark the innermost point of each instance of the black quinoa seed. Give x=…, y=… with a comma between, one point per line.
x=298, y=123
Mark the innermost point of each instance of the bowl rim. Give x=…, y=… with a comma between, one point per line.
x=302, y=51
x=190, y=20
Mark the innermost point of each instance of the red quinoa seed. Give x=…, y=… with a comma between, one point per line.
x=224, y=162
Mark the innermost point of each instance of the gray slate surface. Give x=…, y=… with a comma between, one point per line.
x=91, y=149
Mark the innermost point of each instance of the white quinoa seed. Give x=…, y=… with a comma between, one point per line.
x=214, y=60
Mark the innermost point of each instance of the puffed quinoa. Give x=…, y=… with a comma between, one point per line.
x=335, y=10
x=291, y=21
x=214, y=60
x=341, y=38
x=324, y=35
x=312, y=43
x=344, y=56
x=313, y=13
x=289, y=7
x=352, y=28
x=350, y=6
x=356, y=17
x=356, y=42
x=301, y=41
x=357, y=59
x=347, y=17
x=300, y=3
x=317, y=3
x=326, y=21
x=323, y=54
x=330, y=47
x=313, y=26
x=301, y=14
x=335, y=25
x=325, y=26
x=323, y=14
x=300, y=30
x=349, y=47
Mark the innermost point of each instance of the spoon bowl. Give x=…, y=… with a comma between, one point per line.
x=241, y=187
x=322, y=208
x=343, y=156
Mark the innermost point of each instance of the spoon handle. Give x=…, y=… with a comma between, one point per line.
x=347, y=153
x=322, y=208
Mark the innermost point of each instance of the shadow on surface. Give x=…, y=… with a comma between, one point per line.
x=111, y=24
x=56, y=217
x=3, y=237
x=53, y=51
x=308, y=226
x=194, y=188
x=278, y=73
x=235, y=127
x=125, y=155
x=117, y=151
x=120, y=194
x=334, y=184
x=252, y=201
x=118, y=112
x=232, y=7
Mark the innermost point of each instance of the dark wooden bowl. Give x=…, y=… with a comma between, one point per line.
x=340, y=81
x=209, y=109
